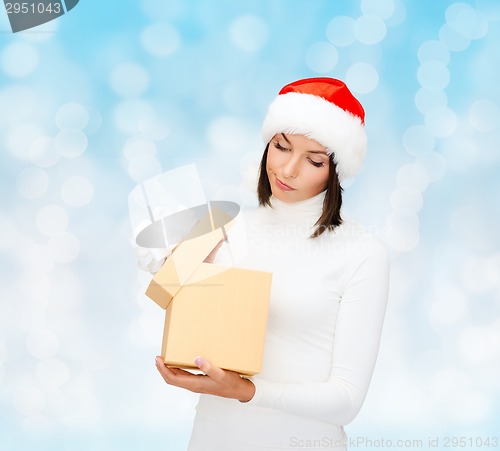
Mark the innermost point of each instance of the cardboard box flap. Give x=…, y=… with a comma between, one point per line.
x=183, y=262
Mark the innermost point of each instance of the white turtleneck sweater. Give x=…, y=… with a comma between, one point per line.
x=328, y=300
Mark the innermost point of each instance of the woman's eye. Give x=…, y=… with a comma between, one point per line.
x=280, y=147
x=318, y=164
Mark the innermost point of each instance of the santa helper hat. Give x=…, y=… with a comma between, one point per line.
x=325, y=110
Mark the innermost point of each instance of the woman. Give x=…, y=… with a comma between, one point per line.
x=329, y=289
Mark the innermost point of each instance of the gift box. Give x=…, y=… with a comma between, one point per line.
x=211, y=310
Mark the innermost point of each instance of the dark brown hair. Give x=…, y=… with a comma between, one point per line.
x=330, y=216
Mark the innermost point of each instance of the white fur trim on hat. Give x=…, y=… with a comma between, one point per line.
x=342, y=133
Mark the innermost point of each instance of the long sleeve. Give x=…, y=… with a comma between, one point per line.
x=355, y=347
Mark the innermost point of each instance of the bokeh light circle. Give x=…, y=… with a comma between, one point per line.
x=433, y=75
x=453, y=40
x=224, y=131
x=42, y=344
x=490, y=9
x=65, y=247
x=433, y=50
x=248, y=33
x=173, y=9
x=449, y=307
x=460, y=154
x=430, y=99
x=484, y=115
x=77, y=191
x=340, y=31
x=154, y=127
x=407, y=200
x=129, y=80
x=32, y=183
x=369, y=30
x=17, y=102
x=398, y=16
x=37, y=291
x=466, y=20
x=403, y=218
x=480, y=275
x=52, y=373
x=362, y=78
x=137, y=145
x=43, y=152
x=95, y=121
x=142, y=167
x=8, y=233
x=434, y=164
x=20, y=138
x=413, y=176
x=28, y=399
x=72, y=115
x=51, y=220
x=441, y=121
x=38, y=259
x=402, y=231
x=322, y=57
x=19, y=59
x=380, y=8
x=478, y=345
x=71, y=143
x=418, y=140
x=130, y=114
x=66, y=291
x=160, y=39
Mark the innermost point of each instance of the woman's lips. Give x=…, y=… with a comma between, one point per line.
x=283, y=186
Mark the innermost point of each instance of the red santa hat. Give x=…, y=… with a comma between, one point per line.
x=325, y=110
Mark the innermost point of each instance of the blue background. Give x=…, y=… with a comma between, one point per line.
x=112, y=93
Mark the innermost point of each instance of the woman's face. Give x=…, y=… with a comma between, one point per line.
x=297, y=167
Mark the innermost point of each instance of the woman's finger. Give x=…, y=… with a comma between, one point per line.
x=180, y=372
x=164, y=370
x=210, y=258
x=216, y=373
x=179, y=377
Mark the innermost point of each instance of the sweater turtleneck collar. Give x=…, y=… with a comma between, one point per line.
x=305, y=212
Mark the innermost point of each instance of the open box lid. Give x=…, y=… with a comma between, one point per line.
x=181, y=265
x=171, y=207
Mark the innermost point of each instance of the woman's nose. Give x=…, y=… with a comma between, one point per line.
x=291, y=168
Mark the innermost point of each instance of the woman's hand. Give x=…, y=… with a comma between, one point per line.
x=211, y=257
x=215, y=381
